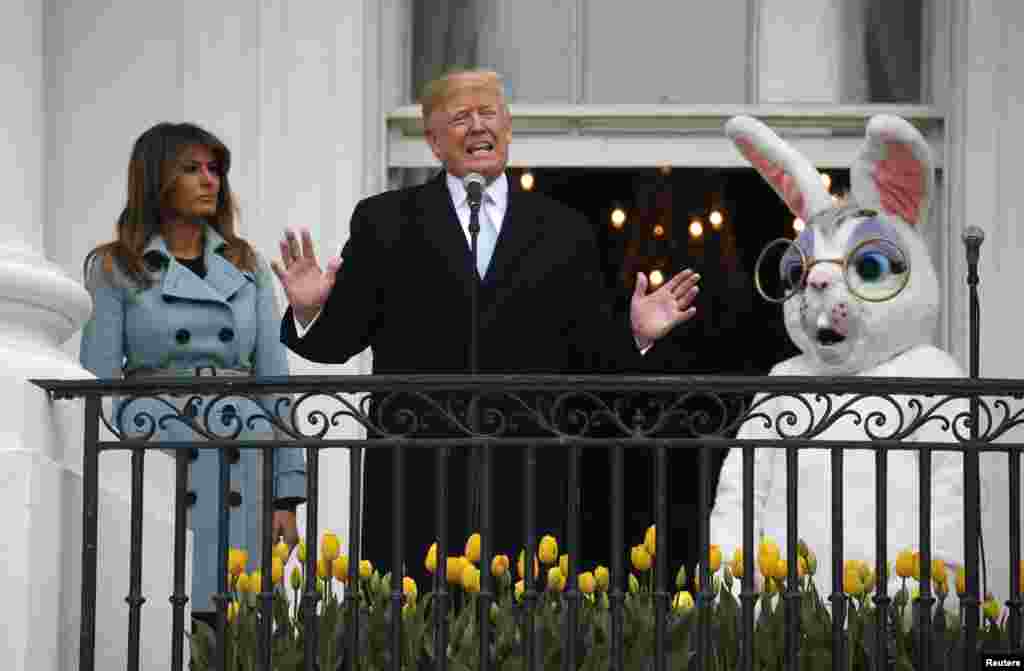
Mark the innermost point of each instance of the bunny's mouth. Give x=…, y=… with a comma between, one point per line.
x=829, y=337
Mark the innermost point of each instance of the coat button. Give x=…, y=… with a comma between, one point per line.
x=191, y=498
x=226, y=335
x=234, y=499
x=182, y=336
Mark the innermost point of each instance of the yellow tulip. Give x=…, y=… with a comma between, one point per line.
x=801, y=567
x=276, y=570
x=736, y=565
x=365, y=569
x=522, y=570
x=714, y=558
x=232, y=611
x=939, y=575
x=548, y=550
x=499, y=565
x=409, y=589
x=640, y=558
x=868, y=578
x=683, y=602
x=556, y=581
x=634, y=584
x=237, y=559
x=905, y=564
x=330, y=547
x=781, y=570
x=302, y=552
x=453, y=571
x=242, y=584
x=563, y=565
x=281, y=550
x=961, y=581
x=520, y=588
x=324, y=568
x=430, y=563
x=473, y=548
x=768, y=557
x=650, y=540
x=470, y=577
x=339, y=568
x=916, y=566
x=255, y=581
x=586, y=582
x=601, y=578
x=852, y=583
x=296, y=577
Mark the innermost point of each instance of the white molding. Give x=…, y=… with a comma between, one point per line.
x=649, y=135
x=538, y=117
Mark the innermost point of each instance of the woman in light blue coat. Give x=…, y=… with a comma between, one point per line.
x=179, y=293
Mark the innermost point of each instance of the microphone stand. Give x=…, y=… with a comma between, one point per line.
x=479, y=469
x=473, y=470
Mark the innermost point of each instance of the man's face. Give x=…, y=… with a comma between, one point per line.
x=470, y=131
x=197, y=185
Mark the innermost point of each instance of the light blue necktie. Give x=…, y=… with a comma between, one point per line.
x=485, y=240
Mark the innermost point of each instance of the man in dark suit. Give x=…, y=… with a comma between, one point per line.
x=402, y=287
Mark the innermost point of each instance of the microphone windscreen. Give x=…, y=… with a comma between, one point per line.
x=474, y=183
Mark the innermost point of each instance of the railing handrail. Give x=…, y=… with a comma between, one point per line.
x=959, y=387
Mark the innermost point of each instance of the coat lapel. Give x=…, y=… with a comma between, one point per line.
x=222, y=279
x=520, y=231
x=444, y=232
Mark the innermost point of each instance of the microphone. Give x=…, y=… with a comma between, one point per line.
x=474, y=183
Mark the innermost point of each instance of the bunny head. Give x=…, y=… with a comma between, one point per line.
x=857, y=285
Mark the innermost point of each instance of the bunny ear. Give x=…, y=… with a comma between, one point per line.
x=893, y=171
x=790, y=174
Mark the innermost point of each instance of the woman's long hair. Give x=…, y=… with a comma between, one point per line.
x=153, y=171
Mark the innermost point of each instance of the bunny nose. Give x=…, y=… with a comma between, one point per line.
x=819, y=279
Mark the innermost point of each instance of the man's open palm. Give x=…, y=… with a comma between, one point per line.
x=305, y=284
x=654, y=314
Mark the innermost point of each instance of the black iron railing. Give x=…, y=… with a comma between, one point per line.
x=698, y=413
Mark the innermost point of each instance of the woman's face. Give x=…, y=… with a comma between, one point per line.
x=195, y=190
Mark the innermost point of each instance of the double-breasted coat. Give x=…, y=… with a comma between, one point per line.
x=177, y=323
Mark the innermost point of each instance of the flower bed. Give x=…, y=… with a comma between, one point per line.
x=549, y=601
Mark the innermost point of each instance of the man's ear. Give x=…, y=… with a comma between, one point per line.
x=431, y=137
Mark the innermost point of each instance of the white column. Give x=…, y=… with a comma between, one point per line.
x=318, y=152
x=40, y=307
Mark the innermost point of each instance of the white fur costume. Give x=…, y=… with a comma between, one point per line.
x=841, y=334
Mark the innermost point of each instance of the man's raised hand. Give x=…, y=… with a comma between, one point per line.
x=305, y=284
x=654, y=314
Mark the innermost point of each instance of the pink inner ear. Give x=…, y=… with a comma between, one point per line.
x=783, y=182
x=899, y=178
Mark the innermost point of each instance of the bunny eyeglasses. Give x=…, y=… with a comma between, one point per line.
x=875, y=270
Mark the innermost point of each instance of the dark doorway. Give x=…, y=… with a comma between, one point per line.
x=735, y=332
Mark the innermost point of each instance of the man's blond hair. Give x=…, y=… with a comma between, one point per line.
x=439, y=90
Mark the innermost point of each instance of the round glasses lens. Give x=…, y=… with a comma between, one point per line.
x=780, y=270
x=877, y=270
